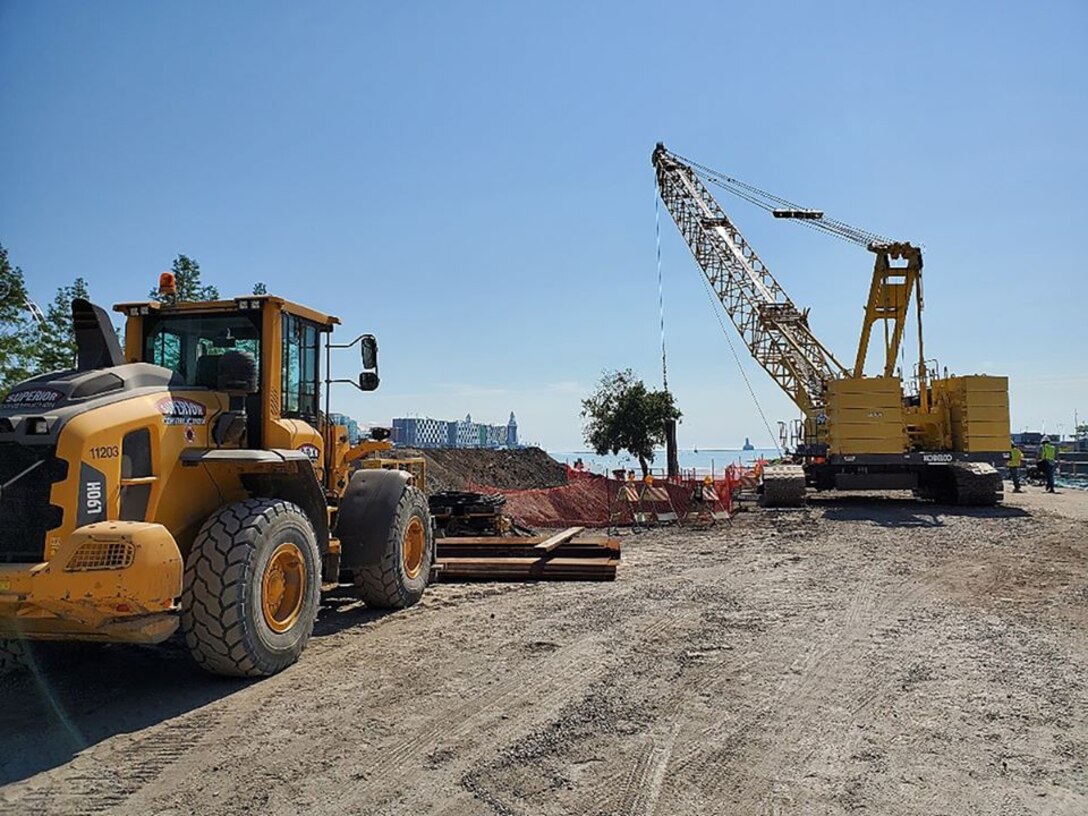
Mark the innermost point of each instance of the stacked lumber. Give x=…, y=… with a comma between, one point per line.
x=571, y=555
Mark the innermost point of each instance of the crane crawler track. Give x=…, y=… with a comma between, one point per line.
x=784, y=486
x=976, y=484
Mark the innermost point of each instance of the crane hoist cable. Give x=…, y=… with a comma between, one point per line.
x=660, y=288
x=714, y=304
x=783, y=208
x=714, y=307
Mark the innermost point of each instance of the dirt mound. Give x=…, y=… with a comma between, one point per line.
x=460, y=468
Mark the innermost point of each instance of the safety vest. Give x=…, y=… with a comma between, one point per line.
x=1015, y=457
x=1049, y=452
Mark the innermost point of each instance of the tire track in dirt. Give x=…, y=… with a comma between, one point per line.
x=636, y=788
x=806, y=681
x=533, y=691
x=653, y=776
x=105, y=776
x=99, y=781
x=623, y=786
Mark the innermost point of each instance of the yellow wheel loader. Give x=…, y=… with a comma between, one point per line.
x=193, y=481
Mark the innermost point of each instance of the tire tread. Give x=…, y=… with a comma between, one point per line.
x=381, y=585
x=212, y=618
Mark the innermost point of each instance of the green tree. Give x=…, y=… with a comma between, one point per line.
x=56, y=347
x=259, y=288
x=187, y=278
x=18, y=330
x=622, y=414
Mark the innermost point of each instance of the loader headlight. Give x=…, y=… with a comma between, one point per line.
x=37, y=426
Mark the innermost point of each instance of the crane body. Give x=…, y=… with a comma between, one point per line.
x=941, y=436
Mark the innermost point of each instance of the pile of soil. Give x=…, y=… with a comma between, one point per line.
x=468, y=468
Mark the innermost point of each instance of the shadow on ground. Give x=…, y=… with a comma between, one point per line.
x=74, y=695
x=888, y=511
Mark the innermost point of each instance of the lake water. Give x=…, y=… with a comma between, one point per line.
x=703, y=460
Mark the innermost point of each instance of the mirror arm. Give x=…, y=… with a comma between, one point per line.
x=329, y=346
x=348, y=345
x=351, y=382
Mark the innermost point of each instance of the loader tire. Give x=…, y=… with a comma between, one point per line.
x=252, y=588
x=399, y=578
x=13, y=657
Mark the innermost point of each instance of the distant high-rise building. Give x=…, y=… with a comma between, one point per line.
x=424, y=432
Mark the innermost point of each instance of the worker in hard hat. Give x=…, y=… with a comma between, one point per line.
x=1016, y=459
x=1048, y=458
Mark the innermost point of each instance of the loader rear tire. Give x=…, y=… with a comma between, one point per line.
x=252, y=588
x=401, y=575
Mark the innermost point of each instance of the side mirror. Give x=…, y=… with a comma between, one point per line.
x=369, y=350
x=368, y=381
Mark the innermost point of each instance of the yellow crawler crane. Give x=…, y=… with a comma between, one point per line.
x=942, y=436
x=194, y=481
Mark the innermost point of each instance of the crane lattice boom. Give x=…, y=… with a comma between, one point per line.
x=774, y=329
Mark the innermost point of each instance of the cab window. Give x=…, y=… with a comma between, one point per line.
x=301, y=355
x=189, y=344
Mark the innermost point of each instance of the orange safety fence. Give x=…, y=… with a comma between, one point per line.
x=593, y=500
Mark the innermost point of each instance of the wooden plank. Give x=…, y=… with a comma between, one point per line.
x=565, y=551
x=541, y=569
x=450, y=545
x=498, y=542
x=526, y=577
x=525, y=572
x=530, y=541
x=550, y=544
x=577, y=563
x=571, y=555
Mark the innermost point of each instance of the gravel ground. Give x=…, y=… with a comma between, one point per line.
x=886, y=657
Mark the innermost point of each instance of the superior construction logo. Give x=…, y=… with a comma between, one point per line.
x=35, y=397
x=181, y=411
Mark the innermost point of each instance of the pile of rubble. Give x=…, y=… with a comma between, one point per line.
x=465, y=468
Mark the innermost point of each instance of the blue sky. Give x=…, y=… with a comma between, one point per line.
x=471, y=181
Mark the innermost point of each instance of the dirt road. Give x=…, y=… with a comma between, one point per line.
x=887, y=658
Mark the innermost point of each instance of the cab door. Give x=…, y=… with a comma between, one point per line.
x=298, y=422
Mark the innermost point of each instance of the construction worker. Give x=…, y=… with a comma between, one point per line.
x=1048, y=458
x=1016, y=459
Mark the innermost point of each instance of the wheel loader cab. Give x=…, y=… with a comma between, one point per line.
x=285, y=341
